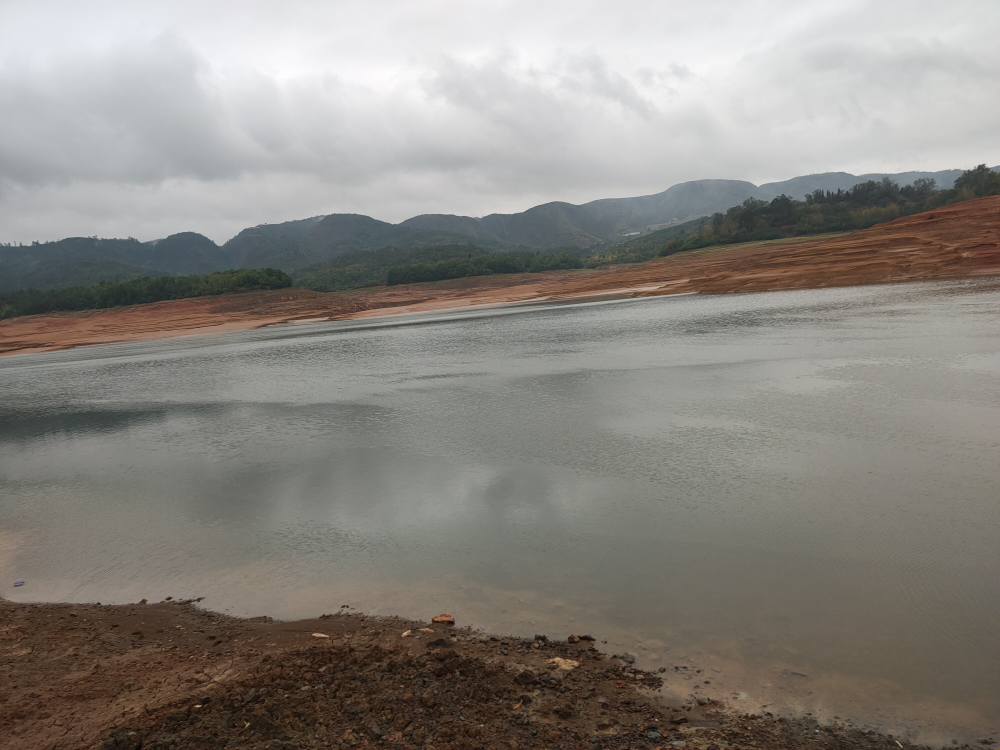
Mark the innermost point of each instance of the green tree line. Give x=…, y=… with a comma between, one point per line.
x=391, y=265
x=138, y=291
x=862, y=206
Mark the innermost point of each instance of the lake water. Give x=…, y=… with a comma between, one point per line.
x=795, y=492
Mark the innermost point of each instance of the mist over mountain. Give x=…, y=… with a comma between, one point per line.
x=303, y=243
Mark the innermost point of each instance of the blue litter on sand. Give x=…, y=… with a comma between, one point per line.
x=19, y=582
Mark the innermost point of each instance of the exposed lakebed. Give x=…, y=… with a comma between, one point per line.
x=794, y=492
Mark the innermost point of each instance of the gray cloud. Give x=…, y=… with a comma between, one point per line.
x=178, y=116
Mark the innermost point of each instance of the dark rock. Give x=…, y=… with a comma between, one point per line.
x=373, y=730
x=124, y=739
x=526, y=678
x=261, y=723
x=678, y=719
x=564, y=711
x=653, y=735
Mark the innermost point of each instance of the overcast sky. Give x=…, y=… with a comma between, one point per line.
x=149, y=118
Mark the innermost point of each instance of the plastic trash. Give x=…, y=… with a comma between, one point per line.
x=19, y=582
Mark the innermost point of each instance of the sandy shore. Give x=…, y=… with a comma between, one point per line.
x=170, y=675
x=954, y=242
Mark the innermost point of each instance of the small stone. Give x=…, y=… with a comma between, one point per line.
x=561, y=663
x=573, y=639
x=627, y=658
x=443, y=619
x=653, y=735
x=679, y=743
x=373, y=729
x=320, y=635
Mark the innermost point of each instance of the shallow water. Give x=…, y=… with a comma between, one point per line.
x=795, y=492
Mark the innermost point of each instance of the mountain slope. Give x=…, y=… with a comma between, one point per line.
x=187, y=253
x=450, y=223
x=799, y=187
x=299, y=244
x=303, y=243
x=74, y=260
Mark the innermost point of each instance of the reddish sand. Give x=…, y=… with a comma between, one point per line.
x=957, y=241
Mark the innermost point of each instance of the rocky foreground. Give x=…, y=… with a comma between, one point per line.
x=171, y=675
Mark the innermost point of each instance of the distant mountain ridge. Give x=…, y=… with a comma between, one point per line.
x=303, y=243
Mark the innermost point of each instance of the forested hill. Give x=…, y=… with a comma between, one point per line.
x=593, y=228
x=823, y=211
x=862, y=206
x=81, y=261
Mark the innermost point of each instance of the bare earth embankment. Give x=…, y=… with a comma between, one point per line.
x=170, y=675
x=953, y=242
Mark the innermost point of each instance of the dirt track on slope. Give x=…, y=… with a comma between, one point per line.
x=954, y=242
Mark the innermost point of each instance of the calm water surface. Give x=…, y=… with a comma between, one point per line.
x=796, y=492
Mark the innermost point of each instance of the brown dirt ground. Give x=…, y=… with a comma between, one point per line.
x=170, y=675
x=957, y=241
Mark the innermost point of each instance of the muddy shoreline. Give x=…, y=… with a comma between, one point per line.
x=172, y=675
